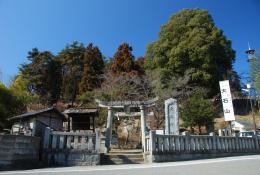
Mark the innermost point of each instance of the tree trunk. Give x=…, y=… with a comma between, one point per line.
x=192, y=129
x=199, y=129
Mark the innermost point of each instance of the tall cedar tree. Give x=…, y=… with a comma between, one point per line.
x=71, y=58
x=123, y=61
x=190, y=41
x=126, y=79
x=93, y=69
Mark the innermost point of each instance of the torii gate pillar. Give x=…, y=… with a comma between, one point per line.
x=143, y=126
x=122, y=105
x=109, y=127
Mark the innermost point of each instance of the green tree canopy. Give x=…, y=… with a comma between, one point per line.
x=93, y=69
x=42, y=75
x=19, y=88
x=72, y=60
x=124, y=78
x=191, y=42
x=198, y=111
x=9, y=104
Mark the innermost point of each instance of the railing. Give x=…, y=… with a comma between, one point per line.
x=62, y=141
x=193, y=143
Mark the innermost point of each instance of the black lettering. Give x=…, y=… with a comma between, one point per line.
x=225, y=100
x=226, y=111
x=223, y=91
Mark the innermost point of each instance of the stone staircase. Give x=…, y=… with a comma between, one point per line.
x=119, y=156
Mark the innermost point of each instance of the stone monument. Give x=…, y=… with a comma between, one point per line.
x=171, y=117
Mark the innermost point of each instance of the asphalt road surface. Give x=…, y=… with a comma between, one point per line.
x=244, y=165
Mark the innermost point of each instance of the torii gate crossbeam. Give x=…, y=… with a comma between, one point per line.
x=123, y=104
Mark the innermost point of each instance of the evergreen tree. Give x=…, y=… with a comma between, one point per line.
x=125, y=79
x=198, y=111
x=42, y=75
x=71, y=59
x=123, y=61
x=93, y=69
x=191, y=45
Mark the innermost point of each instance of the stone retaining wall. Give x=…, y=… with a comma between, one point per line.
x=18, y=151
x=71, y=158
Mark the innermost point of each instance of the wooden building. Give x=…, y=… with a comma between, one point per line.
x=34, y=123
x=81, y=119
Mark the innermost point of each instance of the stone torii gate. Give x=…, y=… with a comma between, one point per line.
x=142, y=105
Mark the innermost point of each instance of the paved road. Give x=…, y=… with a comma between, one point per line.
x=244, y=165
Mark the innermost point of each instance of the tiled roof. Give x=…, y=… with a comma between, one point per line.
x=80, y=111
x=33, y=113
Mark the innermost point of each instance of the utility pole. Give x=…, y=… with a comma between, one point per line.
x=252, y=107
x=254, y=61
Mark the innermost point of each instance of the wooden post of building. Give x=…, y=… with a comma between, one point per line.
x=93, y=122
x=69, y=123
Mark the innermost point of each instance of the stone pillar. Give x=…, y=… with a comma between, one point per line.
x=152, y=142
x=237, y=143
x=218, y=144
x=256, y=143
x=220, y=133
x=214, y=142
x=211, y=134
x=46, y=138
x=109, y=127
x=97, y=142
x=143, y=126
x=171, y=117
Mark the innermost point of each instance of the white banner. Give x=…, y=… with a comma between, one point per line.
x=226, y=100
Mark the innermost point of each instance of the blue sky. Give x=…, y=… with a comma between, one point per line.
x=51, y=24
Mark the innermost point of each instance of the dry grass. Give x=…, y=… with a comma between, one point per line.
x=220, y=123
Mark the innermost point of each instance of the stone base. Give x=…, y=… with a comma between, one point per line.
x=19, y=152
x=71, y=158
x=193, y=156
x=19, y=164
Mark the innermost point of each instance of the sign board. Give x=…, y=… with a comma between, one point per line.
x=226, y=100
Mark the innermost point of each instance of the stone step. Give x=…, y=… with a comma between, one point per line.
x=120, y=162
x=131, y=151
x=122, y=157
x=107, y=160
x=127, y=155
